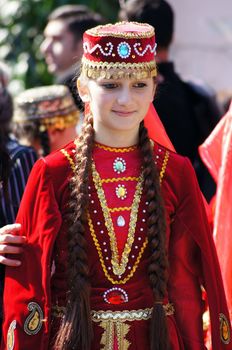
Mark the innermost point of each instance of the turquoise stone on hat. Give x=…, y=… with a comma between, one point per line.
x=124, y=50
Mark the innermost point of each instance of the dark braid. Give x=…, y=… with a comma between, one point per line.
x=44, y=142
x=6, y=113
x=5, y=163
x=76, y=329
x=32, y=131
x=156, y=231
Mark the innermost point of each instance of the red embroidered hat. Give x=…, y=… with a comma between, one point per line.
x=124, y=49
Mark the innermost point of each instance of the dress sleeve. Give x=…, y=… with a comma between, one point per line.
x=185, y=260
x=27, y=288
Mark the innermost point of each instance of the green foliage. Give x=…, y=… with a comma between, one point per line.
x=21, y=32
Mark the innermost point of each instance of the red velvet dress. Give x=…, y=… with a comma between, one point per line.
x=121, y=297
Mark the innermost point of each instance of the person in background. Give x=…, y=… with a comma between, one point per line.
x=16, y=162
x=62, y=44
x=46, y=118
x=189, y=113
x=118, y=238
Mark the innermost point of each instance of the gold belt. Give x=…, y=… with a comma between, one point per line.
x=114, y=323
x=126, y=315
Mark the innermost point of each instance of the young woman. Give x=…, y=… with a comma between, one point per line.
x=118, y=240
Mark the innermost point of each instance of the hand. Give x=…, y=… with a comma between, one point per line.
x=10, y=243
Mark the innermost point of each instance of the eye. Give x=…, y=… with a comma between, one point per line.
x=109, y=85
x=140, y=85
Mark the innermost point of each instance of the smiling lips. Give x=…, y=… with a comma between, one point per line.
x=123, y=113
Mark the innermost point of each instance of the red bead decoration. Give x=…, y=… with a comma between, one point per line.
x=115, y=296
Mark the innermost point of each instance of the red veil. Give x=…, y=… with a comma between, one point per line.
x=156, y=129
x=216, y=152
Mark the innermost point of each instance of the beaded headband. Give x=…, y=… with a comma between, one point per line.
x=124, y=49
x=52, y=105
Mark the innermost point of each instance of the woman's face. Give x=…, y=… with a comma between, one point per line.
x=119, y=105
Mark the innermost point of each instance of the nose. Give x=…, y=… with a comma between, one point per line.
x=45, y=46
x=124, y=96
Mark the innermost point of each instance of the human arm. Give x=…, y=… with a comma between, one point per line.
x=10, y=243
x=22, y=160
x=27, y=288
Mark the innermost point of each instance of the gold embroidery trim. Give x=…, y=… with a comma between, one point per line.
x=71, y=161
x=118, y=267
x=97, y=245
x=128, y=35
x=92, y=231
x=113, y=210
x=112, y=330
x=144, y=67
x=164, y=166
x=107, y=338
x=114, y=149
x=114, y=179
x=121, y=330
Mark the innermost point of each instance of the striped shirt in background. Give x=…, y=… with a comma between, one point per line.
x=22, y=160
